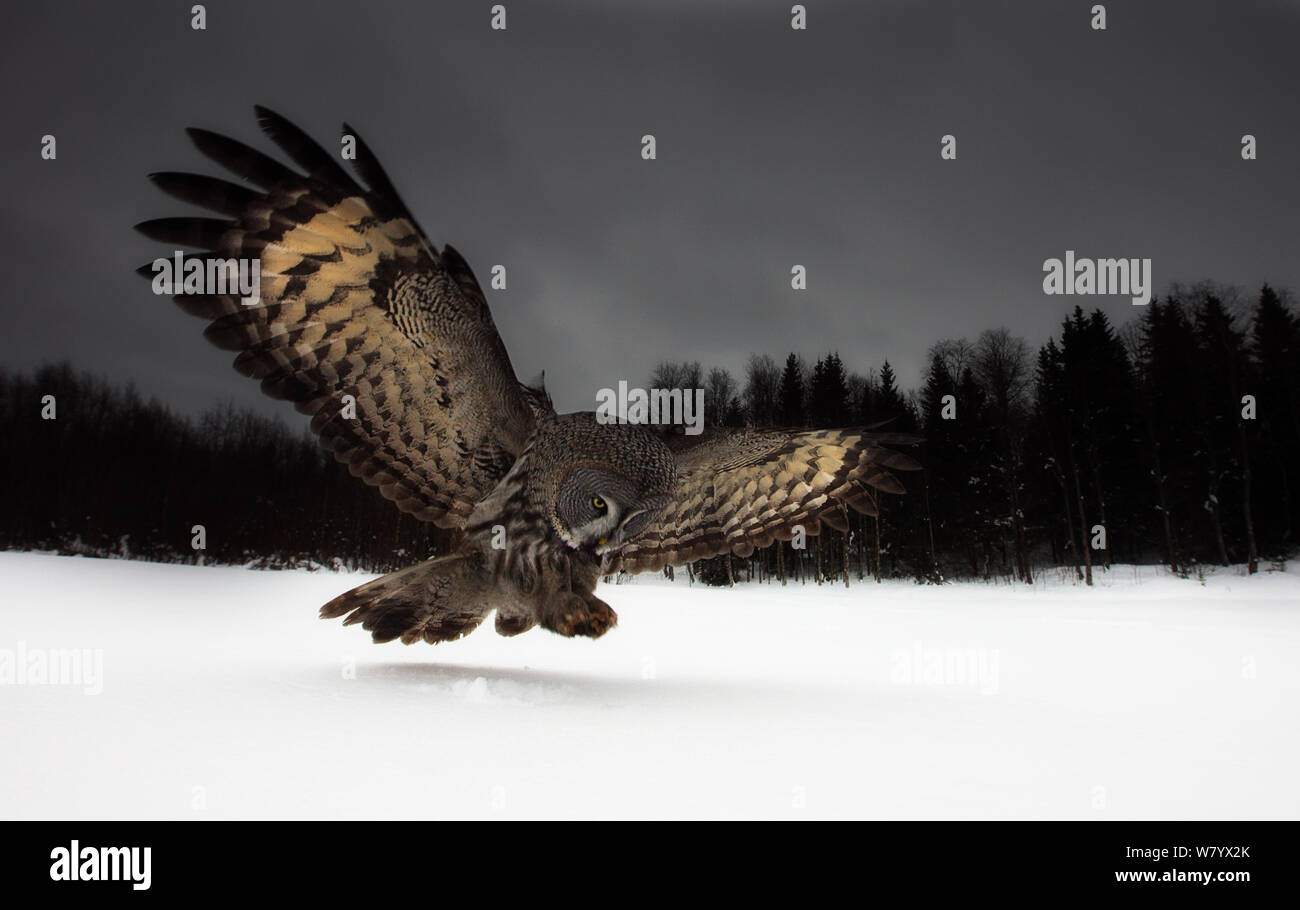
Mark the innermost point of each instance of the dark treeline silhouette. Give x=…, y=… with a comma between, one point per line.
x=1174, y=439
x=114, y=475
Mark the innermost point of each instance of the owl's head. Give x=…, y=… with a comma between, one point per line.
x=608, y=482
x=600, y=507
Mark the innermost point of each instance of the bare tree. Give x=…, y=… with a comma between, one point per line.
x=956, y=354
x=762, y=390
x=719, y=397
x=669, y=374
x=1001, y=364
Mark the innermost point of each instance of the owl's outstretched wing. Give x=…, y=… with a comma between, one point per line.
x=386, y=341
x=740, y=490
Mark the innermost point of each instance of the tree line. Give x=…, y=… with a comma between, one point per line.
x=1172, y=439
x=108, y=473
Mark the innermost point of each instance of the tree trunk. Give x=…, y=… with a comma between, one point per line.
x=878, y=541
x=1083, y=523
x=845, y=512
x=1212, y=506
x=929, y=525
x=1252, y=552
x=1101, y=508
x=1069, y=523
x=1162, y=497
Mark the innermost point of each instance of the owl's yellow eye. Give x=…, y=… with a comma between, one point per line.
x=598, y=503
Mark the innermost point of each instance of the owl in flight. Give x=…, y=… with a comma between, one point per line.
x=387, y=343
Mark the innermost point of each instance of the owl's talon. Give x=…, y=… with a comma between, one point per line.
x=590, y=617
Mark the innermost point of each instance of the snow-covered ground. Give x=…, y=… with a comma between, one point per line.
x=223, y=696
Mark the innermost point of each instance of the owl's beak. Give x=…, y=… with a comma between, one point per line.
x=636, y=522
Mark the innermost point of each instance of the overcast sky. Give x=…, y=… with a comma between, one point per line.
x=775, y=147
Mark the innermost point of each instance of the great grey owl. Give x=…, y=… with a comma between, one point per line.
x=387, y=342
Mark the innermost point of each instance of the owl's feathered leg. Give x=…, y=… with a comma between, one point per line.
x=512, y=621
x=569, y=607
x=439, y=600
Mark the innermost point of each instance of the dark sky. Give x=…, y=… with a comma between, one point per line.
x=775, y=147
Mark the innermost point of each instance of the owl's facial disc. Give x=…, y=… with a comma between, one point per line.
x=594, y=505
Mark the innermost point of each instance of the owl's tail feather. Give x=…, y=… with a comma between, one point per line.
x=439, y=600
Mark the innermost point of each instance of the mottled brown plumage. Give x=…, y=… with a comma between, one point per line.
x=356, y=301
x=741, y=490
x=388, y=343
